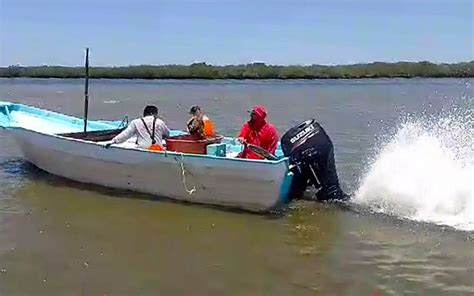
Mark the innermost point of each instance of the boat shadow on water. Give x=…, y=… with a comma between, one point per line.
x=26, y=171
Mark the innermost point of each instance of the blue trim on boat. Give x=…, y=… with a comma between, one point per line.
x=285, y=188
x=66, y=120
x=5, y=118
x=8, y=113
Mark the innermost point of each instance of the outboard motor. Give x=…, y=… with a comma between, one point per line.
x=311, y=155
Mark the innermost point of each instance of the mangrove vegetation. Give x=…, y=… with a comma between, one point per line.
x=249, y=71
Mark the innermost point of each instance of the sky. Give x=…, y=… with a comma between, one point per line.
x=221, y=32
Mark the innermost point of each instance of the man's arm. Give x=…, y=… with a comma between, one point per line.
x=126, y=134
x=271, y=140
x=242, y=137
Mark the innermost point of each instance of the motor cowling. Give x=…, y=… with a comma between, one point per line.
x=311, y=155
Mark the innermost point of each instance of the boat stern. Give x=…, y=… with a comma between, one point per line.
x=285, y=188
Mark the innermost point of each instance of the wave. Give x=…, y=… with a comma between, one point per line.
x=425, y=172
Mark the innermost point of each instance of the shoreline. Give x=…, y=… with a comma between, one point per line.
x=255, y=71
x=242, y=79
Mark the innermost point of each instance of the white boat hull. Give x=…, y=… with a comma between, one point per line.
x=245, y=184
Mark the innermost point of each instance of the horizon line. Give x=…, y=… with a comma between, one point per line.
x=241, y=64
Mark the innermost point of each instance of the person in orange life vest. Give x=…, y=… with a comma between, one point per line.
x=199, y=124
x=259, y=132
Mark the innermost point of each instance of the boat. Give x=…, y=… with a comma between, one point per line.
x=57, y=144
x=205, y=171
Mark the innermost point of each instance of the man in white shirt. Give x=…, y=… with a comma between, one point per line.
x=149, y=130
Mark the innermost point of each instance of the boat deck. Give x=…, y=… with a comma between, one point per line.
x=31, y=118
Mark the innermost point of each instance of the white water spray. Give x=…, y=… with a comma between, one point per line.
x=425, y=172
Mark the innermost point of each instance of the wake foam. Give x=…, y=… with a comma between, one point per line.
x=425, y=172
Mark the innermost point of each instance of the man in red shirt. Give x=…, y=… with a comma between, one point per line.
x=259, y=132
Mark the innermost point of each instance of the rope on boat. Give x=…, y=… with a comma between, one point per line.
x=7, y=111
x=124, y=122
x=183, y=173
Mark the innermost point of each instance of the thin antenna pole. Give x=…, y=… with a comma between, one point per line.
x=86, y=91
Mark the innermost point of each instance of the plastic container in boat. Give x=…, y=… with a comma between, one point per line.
x=190, y=144
x=218, y=149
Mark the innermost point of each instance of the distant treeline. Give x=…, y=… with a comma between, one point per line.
x=250, y=71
